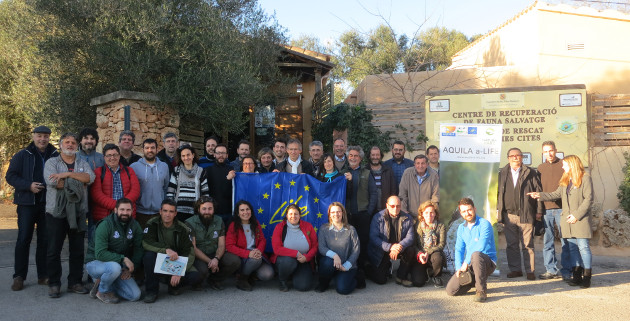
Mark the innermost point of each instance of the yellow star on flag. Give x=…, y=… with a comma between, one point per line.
x=306, y=188
x=315, y=229
x=277, y=185
x=265, y=196
x=263, y=225
x=316, y=200
x=260, y=210
x=319, y=215
x=292, y=183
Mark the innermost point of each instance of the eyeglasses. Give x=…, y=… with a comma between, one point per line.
x=112, y=155
x=220, y=153
x=515, y=156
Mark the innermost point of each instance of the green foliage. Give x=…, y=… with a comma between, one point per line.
x=434, y=48
x=358, y=121
x=624, y=189
x=210, y=59
x=310, y=42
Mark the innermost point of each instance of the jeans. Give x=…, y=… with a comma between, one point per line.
x=302, y=272
x=584, y=258
x=261, y=267
x=346, y=280
x=549, y=252
x=57, y=229
x=28, y=217
x=109, y=274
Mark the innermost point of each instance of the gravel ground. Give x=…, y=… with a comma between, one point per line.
x=513, y=299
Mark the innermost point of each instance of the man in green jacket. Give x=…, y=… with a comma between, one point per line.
x=166, y=235
x=113, y=254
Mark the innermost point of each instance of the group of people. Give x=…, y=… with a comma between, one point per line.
x=179, y=204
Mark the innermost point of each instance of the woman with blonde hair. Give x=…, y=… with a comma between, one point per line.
x=576, y=192
x=430, y=241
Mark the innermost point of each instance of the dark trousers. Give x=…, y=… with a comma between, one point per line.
x=435, y=262
x=57, y=230
x=378, y=274
x=28, y=217
x=482, y=266
x=228, y=264
x=301, y=272
x=152, y=280
x=345, y=280
x=361, y=222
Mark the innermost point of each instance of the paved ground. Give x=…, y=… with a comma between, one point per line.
x=607, y=299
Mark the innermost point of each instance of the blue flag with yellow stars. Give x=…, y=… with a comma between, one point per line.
x=271, y=193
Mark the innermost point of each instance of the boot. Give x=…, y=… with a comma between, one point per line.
x=577, y=276
x=323, y=285
x=586, y=281
x=243, y=283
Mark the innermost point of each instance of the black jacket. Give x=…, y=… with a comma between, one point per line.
x=21, y=171
x=528, y=181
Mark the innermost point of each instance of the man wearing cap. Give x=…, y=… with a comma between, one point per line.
x=26, y=175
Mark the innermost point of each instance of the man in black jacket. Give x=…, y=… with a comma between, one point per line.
x=517, y=212
x=26, y=175
x=220, y=183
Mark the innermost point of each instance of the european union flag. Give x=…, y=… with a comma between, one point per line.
x=271, y=193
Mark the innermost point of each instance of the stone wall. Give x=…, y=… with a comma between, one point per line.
x=146, y=121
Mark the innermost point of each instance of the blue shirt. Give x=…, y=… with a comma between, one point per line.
x=399, y=169
x=117, y=192
x=478, y=238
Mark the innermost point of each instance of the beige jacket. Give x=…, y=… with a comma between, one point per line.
x=578, y=204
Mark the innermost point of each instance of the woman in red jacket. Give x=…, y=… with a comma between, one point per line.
x=113, y=181
x=244, y=240
x=294, y=247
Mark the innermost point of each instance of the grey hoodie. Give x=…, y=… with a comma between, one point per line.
x=153, y=180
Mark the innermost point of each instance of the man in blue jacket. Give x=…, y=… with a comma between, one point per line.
x=391, y=238
x=26, y=175
x=474, y=250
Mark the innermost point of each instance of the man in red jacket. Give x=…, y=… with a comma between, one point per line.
x=112, y=182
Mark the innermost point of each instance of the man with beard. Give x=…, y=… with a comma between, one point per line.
x=126, y=140
x=294, y=163
x=209, y=160
x=433, y=153
x=279, y=150
x=381, y=184
x=398, y=162
x=208, y=233
x=113, y=182
x=316, y=150
x=220, y=183
x=474, y=250
x=87, y=151
x=153, y=176
x=339, y=151
x=418, y=185
x=68, y=175
x=357, y=201
x=164, y=234
x=167, y=155
x=114, y=254
x=241, y=151
x=26, y=175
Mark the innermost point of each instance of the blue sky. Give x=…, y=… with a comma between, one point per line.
x=328, y=19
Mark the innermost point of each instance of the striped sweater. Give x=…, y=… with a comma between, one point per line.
x=186, y=186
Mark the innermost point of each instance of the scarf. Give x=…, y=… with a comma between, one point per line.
x=429, y=234
x=294, y=165
x=329, y=176
x=193, y=174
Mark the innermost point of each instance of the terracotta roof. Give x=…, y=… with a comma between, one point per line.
x=310, y=53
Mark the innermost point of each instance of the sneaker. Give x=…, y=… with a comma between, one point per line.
x=283, y=286
x=18, y=283
x=405, y=283
x=480, y=296
x=321, y=288
x=54, y=292
x=548, y=276
x=94, y=290
x=42, y=281
x=514, y=274
x=107, y=297
x=437, y=282
x=531, y=276
x=150, y=297
x=78, y=288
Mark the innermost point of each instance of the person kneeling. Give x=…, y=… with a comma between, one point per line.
x=164, y=234
x=113, y=254
x=474, y=250
x=339, y=250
